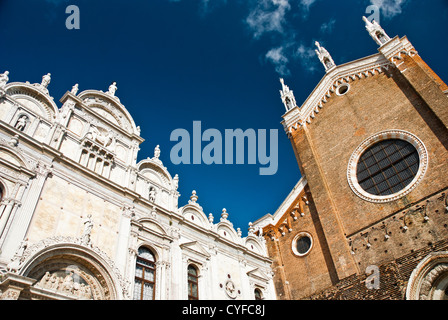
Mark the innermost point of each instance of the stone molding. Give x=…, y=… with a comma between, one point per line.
x=424, y=278
x=22, y=262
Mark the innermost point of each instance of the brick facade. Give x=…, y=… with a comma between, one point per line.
x=393, y=94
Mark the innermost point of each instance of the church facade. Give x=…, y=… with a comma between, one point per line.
x=369, y=217
x=80, y=218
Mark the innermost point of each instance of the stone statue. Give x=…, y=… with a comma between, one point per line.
x=4, y=79
x=45, y=280
x=67, y=284
x=376, y=32
x=324, y=56
x=176, y=181
x=157, y=152
x=21, y=123
x=112, y=89
x=103, y=138
x=17, y=260
x=152, y=194
x=88, y=225
x=287, y=96
x=74, y=89
x=46, y=80
x=22, y=248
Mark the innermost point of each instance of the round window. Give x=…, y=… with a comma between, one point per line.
x=387, y=166
x=342, y=89
x=302, y=244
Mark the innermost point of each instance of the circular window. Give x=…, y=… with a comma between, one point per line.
x=387, y=166
x=342, y=89
x=302, y=244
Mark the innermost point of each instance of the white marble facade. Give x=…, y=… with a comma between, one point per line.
x=77, y=208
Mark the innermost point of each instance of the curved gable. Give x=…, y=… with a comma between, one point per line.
x=109, y=108
x=154, y=172
x=33, y=100
x=151, y=224
x=193, y=214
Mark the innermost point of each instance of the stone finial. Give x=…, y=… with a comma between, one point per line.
x=287, y=96
x=224, y=214
x=324, y=57
x=4, y=79
x=210, y=218
x=193, y=197
x=376, y=32
x=251, y=229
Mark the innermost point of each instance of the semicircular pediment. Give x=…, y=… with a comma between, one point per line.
x=154, y=172
x=193, y=214
x=226, y=231
x=33, y=100
x=110, y=109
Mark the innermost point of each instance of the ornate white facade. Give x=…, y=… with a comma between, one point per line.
x=77, y=208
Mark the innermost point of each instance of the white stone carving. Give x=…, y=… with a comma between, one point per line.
x=74, y=89
x=376, y=32
x=152, y=194
x=4, y=79
x=324, y=57
x=21, y=123
x=46, y=80
x=17, y=260
x=112, y=89
x=287, y=96
x=88, y=225
x=65, y=285
x=102, y=136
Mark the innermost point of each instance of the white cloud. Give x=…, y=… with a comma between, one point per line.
x=268, y=16
x=389, y=8
x=305, y=5
x=307, y=57
x=328, y=26
x=278, y=58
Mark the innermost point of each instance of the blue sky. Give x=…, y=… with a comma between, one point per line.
x=214, y=61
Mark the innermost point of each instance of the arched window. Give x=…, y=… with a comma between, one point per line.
x=258, y=295
x=145, y=275
x=193, y=276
